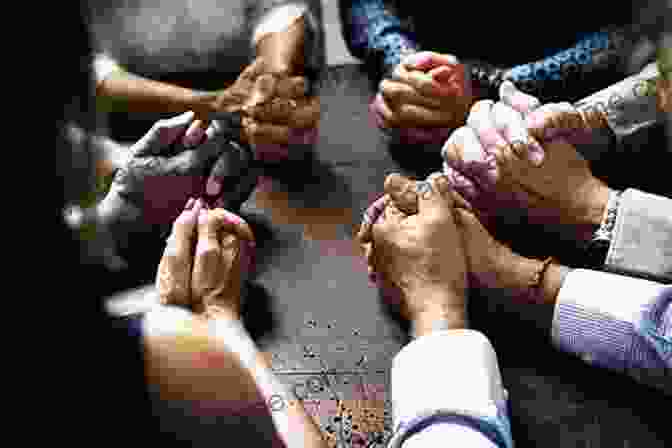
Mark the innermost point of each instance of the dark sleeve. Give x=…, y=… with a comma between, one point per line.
x=597, y=60
x=374, y=34
x=594, y=62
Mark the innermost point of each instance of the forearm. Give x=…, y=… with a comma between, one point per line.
x=283, y=51
x=295, y=427
x=123, y=91
x=571, y=74
x=374, y=34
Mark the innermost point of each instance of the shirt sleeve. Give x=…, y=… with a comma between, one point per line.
x=630, y=105
x=373, y=33
x=571, y=73
x=434, y=397
x=642, y=237
x=618, y=323
x=103, y=66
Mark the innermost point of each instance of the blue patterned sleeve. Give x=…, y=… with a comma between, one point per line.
x=597, y=60
x=375, y=34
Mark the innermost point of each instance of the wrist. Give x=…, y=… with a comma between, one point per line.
x=429, y=321
x=203, y=103
x=593, y=211
x=442, y=309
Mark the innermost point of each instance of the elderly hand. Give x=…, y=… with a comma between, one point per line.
x=419, y=255
x=427, y=96
x=497, y=161
x=160, y=174
x=206, y=258
x=490, y=263
x=275, y=107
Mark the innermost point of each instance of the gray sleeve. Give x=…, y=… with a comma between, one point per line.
x=630, y=105
x=642, y=239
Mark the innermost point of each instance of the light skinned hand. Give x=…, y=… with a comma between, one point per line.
x=499, y=164
x=205, y=261
x=420, y=255
x=425, y=98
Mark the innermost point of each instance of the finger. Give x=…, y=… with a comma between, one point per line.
x=225, y=221
x=464, y=152
x=174, y=272
x=410, y=114
x=295, y=114
x=461, y=184
x=233, y=199
x=403, y=192
x=442, y=184
x=211, y=260
x=480, y=120
x=391, y=217
x=553, y=120
x=254, y=70
x=519, y=101
x=387, y=115
x=162, y=134
x=295, y=87
x=397, y=93
x=266, y=133
x=421, y=81
x=512, y=126
x=435, y=200
x=451, y=81
x=427, y=60
x=195, y=134
x=232, y=161
x=371, y=216
x=263, y=91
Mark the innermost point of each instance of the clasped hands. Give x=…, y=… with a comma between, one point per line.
x=206, y=259
x=426, y=97
x=275, y=109
x=429, y=241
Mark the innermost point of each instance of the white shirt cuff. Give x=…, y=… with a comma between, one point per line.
x=453, y=371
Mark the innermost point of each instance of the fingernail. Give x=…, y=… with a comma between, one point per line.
x=213, y=187
x=193, y=138
x=418, y=59
x=536, y=155
x=190, y=204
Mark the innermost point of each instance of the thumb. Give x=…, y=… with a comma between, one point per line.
x=517, y=100
x=264, y=89
x=435, y=196
x=427, y=60
x=163, y=134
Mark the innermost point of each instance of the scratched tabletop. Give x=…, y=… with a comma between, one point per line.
x=326, y=333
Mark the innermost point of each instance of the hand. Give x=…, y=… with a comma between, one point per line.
x=490, y=263
x=274, y=106
x=420, y=255
x=496, y=162
x=425, y=98
x=206, y=258
x=160, y=174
